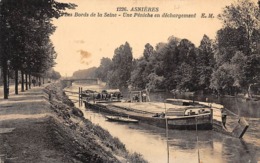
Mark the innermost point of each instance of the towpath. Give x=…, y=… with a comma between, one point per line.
x=24, y=133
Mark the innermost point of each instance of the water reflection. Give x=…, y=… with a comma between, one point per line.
x=213, y=147
x=151, y=141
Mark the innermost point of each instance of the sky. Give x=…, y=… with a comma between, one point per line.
x=81, y=42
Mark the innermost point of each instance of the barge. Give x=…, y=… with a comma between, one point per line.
x=173, y=113
x=182, y=117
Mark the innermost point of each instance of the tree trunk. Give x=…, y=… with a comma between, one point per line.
x=26, y=81
x=5, y=80
x=16, y=81
x=22, y=84
x=29, y=81
x=39, y=80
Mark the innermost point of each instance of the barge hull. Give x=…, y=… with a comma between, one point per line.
x=183, y=124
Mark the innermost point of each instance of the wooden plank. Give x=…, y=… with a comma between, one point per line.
x=241, y=128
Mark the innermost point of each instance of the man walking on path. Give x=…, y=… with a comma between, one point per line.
x=34, y=82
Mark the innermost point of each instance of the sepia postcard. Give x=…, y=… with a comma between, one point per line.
x=130, y=81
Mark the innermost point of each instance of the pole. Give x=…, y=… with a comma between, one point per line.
x=168, y=154
x=197, y=141
x=166, y=126
x=79, y=96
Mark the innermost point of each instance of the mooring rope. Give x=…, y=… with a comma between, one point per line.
x=232, y=113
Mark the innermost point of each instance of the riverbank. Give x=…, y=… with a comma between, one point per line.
x=42, y=125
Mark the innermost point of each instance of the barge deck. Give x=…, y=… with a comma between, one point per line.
x=155, y=113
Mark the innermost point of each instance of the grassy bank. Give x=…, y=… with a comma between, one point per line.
x=83, y=140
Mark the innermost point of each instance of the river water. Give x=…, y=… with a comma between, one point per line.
x=182, y=146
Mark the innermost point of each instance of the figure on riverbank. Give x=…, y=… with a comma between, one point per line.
x=144, y=97
x=224, y=118
x=118, y=96
x=34, y=82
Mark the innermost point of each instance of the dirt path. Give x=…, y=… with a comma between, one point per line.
x=24, y=129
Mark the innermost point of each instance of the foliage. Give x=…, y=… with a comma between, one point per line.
x=120, y=73
x=25, y=29
x=52, y=74
x=87, y=73
x=230, y=61
x=135, y=157
x=138, y=75
x=105, y=66
x=143, y=67
x=155, y=81
x=236, y=45
x=238, y=72
x=205, y=62
x=242, y=14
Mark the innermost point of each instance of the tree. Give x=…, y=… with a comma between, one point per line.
x=139, y=75
x=25, y=30
x=103, y=69
x=121, y=67
x=222, y=79
x=170, y=62
x=52, y=74
x=86, y=73
x=206, y=62
x=172, y=65
x=242, y=14
x=143, y=68
x=187, y=73
x=240, y=37
x=228, y=42
x=155, y=82
x=165, y=62
x=148, y=51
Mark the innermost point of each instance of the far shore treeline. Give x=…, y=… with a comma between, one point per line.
x=26, y=51
x=229, y=64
